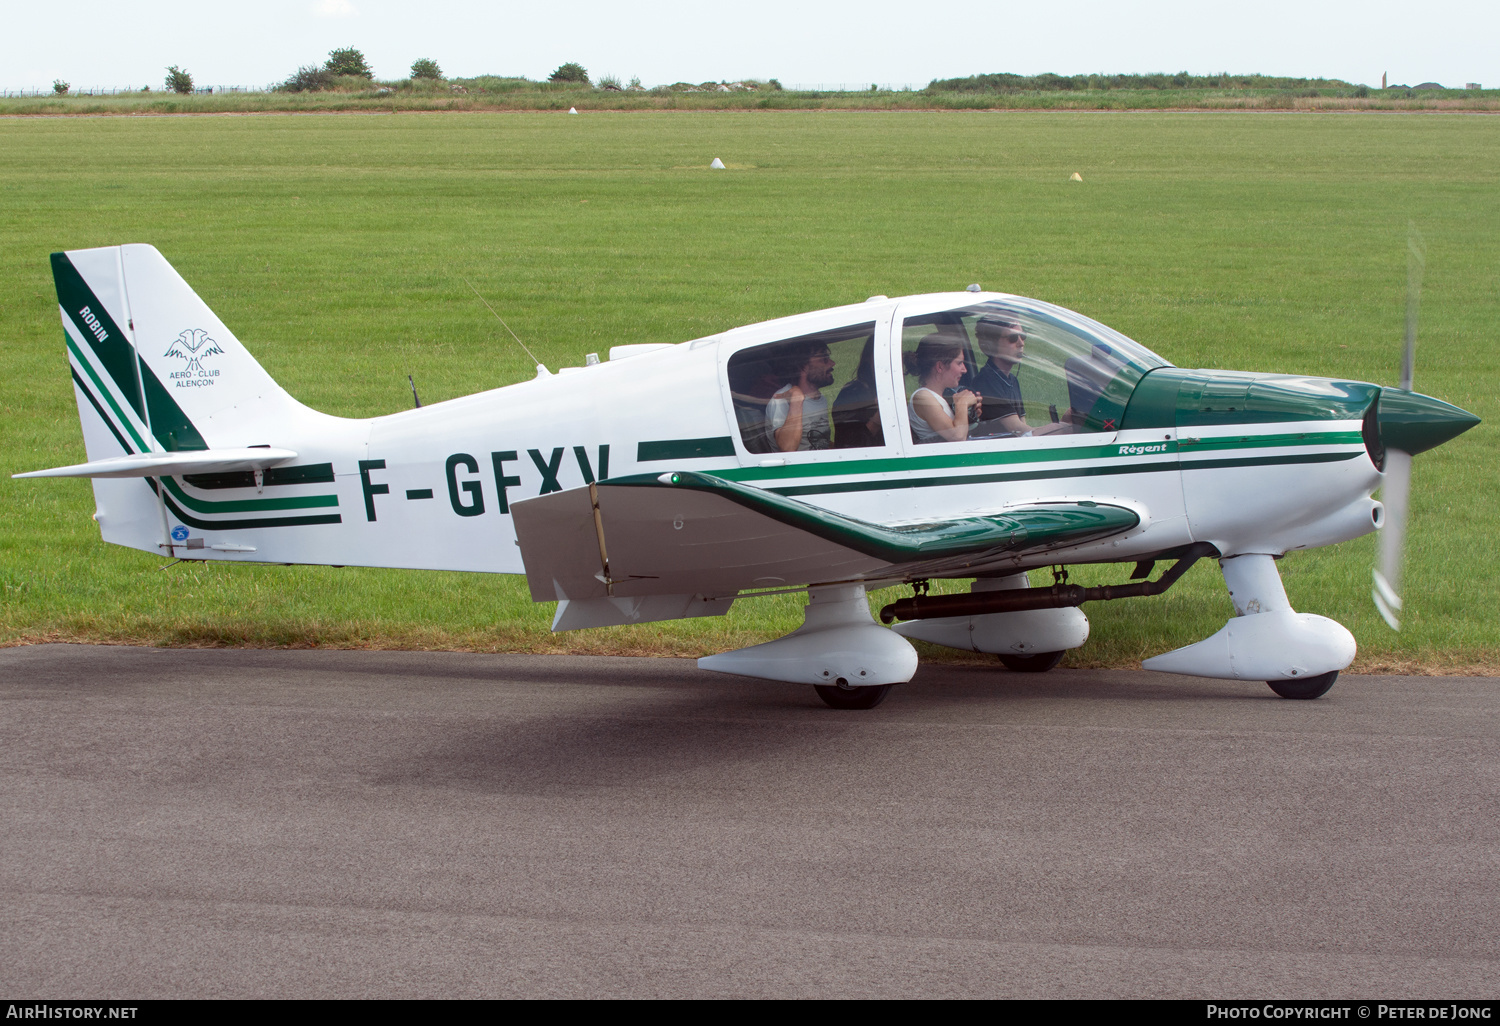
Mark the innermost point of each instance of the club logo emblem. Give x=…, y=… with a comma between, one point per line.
x=179, y=533
x=194, y=346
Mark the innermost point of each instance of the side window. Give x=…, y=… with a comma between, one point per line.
x=937, y=352
x=811, y=392
x=1028, y=375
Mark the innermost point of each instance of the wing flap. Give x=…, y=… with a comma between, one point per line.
x=659, y=542
x=173, y=464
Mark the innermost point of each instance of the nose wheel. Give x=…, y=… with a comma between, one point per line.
x=867, y=697
x=1307, y=687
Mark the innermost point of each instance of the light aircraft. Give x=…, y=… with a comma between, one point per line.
x=669, y=481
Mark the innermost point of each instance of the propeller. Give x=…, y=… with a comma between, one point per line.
x=1396, y=492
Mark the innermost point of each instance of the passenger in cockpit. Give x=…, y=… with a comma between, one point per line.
x=797, y=415
x=1003, y=340
x=856, y=411
x=938, y=363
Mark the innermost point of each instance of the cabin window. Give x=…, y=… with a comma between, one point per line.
x=810, y=392
x=1034, y=373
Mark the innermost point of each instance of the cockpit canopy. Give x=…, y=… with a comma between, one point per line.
x=1058, y=369
x=1072, y=370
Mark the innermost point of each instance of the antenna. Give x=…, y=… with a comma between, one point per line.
x=513, y=335
x=413, y=385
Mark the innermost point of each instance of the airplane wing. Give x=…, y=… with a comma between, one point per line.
x=173, y=464
x=696, y=534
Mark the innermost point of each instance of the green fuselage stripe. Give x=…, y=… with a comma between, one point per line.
x=1113, y=450
x=234, y=525
x=1160, y=467
x=248, y=505
x=684, y=449
x=1188, y=446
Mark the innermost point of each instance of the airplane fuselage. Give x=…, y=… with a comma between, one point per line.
x=433, y=487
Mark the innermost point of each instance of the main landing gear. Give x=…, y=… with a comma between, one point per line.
x=839, y=649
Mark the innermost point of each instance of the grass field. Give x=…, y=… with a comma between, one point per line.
x=335, y=247
x=491, y=94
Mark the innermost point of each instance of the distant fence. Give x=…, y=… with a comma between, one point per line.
x=127, y=90
x=800, y=87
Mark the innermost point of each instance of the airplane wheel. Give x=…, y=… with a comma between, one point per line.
x=1039, y=663
x=853, y=698
x=1307, y=687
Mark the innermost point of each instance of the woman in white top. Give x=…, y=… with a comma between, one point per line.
x=938, y=363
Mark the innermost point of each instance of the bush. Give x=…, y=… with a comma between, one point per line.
x=1009, y=84
x=570, y=72
x=59, y=86
x=610, y=82
x=308, y=79
x=348, y=61
x=496, y=84
x=179, y=81
x=422, y=67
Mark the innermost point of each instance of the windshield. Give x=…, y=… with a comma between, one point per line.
x=1038, y=367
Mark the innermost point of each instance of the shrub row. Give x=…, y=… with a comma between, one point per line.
x=1008, y=83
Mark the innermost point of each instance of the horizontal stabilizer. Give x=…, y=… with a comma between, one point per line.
x=173, y=464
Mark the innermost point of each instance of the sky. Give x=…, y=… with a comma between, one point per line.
x=90, y=43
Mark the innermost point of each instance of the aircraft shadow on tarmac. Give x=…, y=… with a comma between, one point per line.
x=611, y=734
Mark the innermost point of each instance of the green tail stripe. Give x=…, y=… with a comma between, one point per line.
x=169, y=423
x=93, y=400
x=109, y=397
x=114, y=349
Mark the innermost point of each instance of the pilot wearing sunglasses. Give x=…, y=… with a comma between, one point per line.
x=1003, y=340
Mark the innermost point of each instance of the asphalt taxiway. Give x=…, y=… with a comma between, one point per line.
x=333, y=824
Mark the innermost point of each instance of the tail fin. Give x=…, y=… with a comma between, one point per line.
x=152, y=362
x=165, y=389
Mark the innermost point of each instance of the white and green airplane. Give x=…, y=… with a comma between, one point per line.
x=957, y=435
